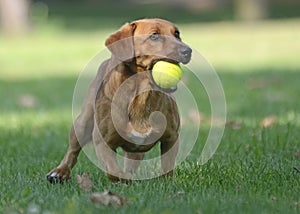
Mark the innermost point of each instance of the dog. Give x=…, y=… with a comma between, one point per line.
x=125, y=108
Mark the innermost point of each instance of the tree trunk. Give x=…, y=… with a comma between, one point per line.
x=14, y=16
x=251, y=10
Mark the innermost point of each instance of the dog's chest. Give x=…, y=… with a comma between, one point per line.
x=146, y=103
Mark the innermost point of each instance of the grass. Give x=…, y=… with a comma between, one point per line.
x=252, y=171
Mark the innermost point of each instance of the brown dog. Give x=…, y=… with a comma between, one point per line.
x=124, y=106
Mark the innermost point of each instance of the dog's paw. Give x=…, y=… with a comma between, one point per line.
x=59, y=174
x=169, y=174
x=120, y=176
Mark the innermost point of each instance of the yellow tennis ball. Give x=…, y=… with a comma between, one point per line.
x=166, y=74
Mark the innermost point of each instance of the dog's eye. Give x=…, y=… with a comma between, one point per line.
x=177, y=34
x=154, y=36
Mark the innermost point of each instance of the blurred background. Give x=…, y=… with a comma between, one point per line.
x=253, y=45
x=23, y=15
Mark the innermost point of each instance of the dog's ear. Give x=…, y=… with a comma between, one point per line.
x=121, y=42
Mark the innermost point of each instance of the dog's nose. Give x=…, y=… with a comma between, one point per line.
x=185, y=51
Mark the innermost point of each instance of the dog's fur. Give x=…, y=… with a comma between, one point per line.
x=134, y=47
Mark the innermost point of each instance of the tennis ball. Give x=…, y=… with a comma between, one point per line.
x=166, y=74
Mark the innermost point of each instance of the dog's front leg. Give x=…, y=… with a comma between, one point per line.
x=62, y=172
x=107, y=157
x=80, y=134
x=169, y=149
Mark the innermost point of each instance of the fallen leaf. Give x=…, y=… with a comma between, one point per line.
x=84, y=182
x=268, y=121
x=261, y=83
x=234, y=124
x=108, y=198
x=180, y=193
x=256, y=84
x=297, y=154
x=297, y=204
x=27, y=100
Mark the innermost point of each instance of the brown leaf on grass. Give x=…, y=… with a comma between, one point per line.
x=268, y=121
x=180, y=193
x=261, y=83
x=84, y=182
x=297, y=154
x=297, y=204
x=108, y=198
x=234, y=125
x=27, y=100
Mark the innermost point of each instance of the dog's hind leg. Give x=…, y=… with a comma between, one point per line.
x=132, y=161
x=169, y=149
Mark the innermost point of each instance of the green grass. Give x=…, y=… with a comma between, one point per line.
x=252, y=171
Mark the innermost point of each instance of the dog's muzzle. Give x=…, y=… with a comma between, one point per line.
x=185, y=54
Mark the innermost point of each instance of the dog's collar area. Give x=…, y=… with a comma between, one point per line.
x=130, y=64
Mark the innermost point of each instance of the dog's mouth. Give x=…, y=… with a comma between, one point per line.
x=156, y=86
x=163, y=59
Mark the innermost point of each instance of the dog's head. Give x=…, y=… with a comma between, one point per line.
x=147, y=41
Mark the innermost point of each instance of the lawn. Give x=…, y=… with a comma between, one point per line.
x=251, y=172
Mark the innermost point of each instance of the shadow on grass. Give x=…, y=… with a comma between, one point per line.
x=39, y=94
x=248, y=94
x=98, y=15
x=249, y=163
x=101, y=15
